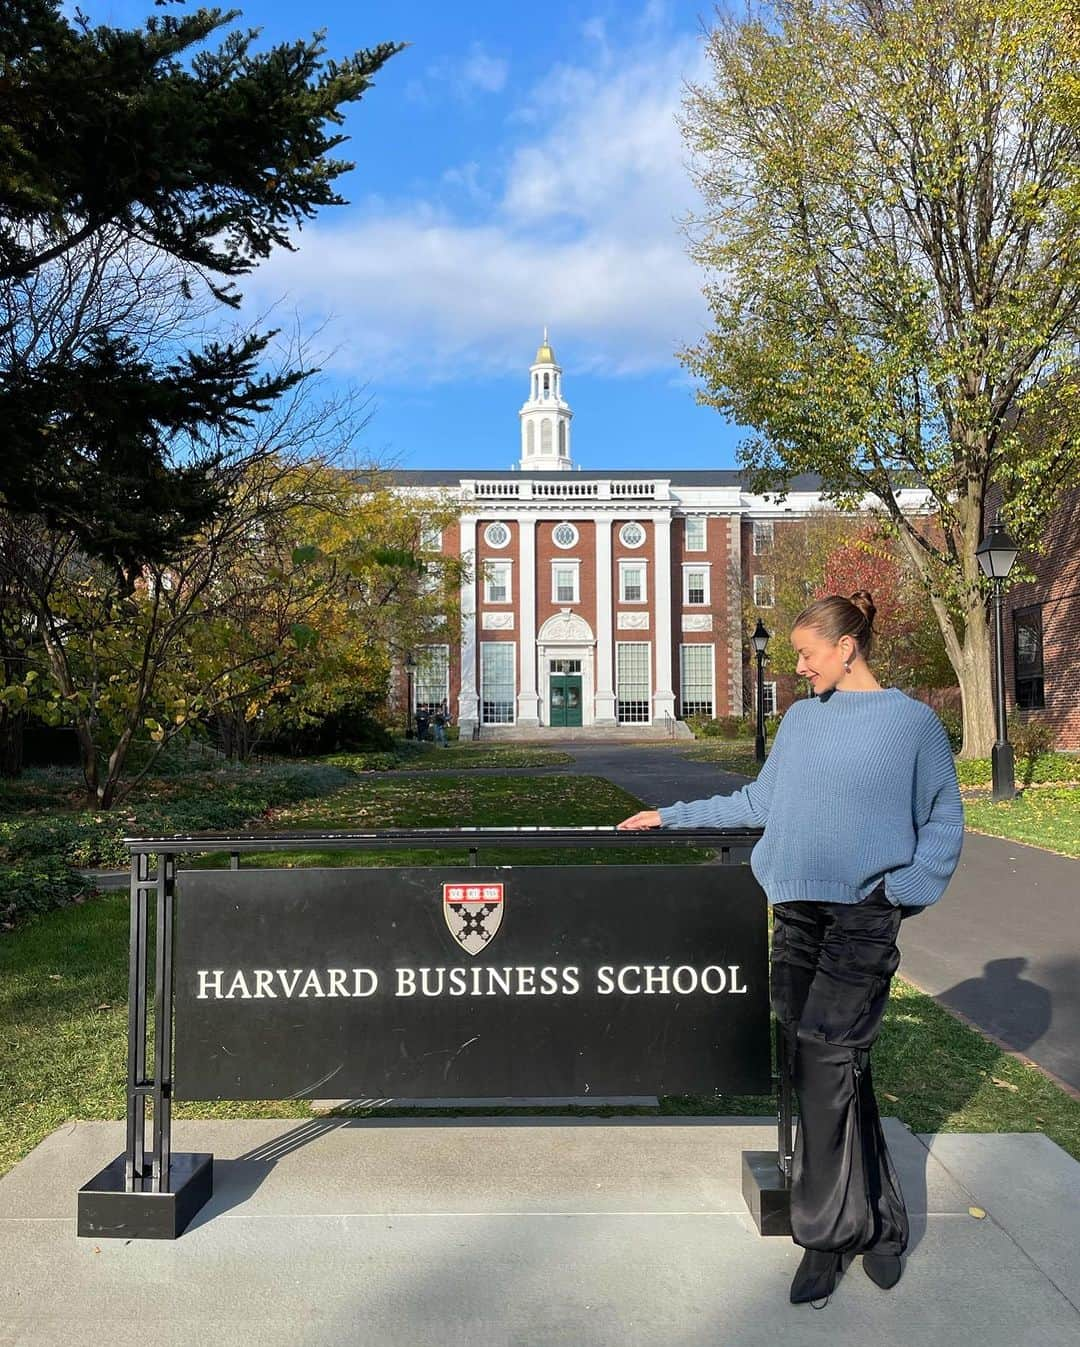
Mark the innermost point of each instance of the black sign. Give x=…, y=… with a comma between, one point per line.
x=453, y=982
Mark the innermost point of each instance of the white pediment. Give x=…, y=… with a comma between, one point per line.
x=565, y=626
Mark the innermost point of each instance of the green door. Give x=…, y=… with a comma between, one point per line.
x=565, y=699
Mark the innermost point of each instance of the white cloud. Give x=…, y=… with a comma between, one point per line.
x=582, y=235
x=478, y=72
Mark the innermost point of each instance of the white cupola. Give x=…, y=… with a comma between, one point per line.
x=545, y=417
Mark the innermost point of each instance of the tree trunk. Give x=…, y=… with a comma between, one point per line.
x=975, y=676
x=11, y=742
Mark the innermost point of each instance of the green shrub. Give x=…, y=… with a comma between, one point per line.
x=40, y=853
x=31, y=888
x=953, y=721
x=1029, y=738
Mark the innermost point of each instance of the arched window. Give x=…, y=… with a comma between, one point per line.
x=530, y=438
x=545, y=435
x=547, y=384
x=562, y=438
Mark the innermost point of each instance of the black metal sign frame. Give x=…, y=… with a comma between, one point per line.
x=155, y=1194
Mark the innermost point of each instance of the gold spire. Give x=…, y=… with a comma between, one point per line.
x=545, y=355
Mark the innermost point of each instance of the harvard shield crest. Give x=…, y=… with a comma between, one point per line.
x=473, y=913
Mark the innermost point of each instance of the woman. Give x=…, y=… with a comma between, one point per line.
x=863, y=826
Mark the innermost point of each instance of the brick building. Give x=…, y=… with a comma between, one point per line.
x=1041, y=627
x=602, y=598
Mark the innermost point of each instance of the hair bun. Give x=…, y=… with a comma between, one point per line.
x=865, y=604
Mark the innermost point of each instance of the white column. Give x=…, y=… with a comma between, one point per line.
x=605, y=690
x=468, y=700
x=527, y=702
x=663, y=694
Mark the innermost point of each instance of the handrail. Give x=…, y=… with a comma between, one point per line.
x=395, y=838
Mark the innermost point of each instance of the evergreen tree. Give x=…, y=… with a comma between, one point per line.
x=203, y=156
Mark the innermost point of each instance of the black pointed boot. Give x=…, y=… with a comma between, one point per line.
x=817, y=1275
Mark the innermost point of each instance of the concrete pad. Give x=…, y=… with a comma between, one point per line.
x=528, y=1232
x=1029, y=1186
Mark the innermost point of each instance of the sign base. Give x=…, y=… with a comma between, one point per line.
x=107, y=1211
x=766, y=1192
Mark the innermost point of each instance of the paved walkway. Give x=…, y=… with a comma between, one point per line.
x=529, y=1232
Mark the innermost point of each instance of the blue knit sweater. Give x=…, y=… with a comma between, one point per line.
x=858, y=787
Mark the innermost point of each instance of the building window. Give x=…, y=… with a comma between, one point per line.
x=430, y=576
x=431, y=682
x=530, y=438
x=545, y=435
x=430, y=539
x=564, y=666
x=564, y=535
x=632, y=535
x=497, y=682
x=763, y=591
x=496, y=535
x=696, y=584
x=695, y=533
x=763, y=536
x=632, y=582
x=564, y=582
x=562, y=438
x=496, y=582
x=1028, y=658
x=768, y=698
x=696, y=680
x=632, y=682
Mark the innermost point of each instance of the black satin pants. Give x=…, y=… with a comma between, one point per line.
x=831, y=968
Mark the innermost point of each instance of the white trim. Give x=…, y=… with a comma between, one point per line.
x=697, y=645
x=498, y=523
x=641, y=564
x=512, y=647
x=574, y=564
x=648, y=699
x=705, y=567
x=754, y=590
x=695, y=518
x=528, y=702
x=508, y=563
x=605, y=688
x=415, y=680
x=663, y=693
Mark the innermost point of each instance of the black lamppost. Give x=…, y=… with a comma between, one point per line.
x=410, y=668
x=996, y=554
x=760, y=640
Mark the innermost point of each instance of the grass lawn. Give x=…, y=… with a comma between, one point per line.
x=421, y=756
x=63, y=973
x=1044, y=816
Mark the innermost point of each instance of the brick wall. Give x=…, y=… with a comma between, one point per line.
x=1055, y=593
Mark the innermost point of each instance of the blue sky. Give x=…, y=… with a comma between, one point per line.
x=515, y=166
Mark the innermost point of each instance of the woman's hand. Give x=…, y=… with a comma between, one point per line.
x=647, y=818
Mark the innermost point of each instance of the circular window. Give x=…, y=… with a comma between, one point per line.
x=564, y=535
x=496, y=535
x=631, y=535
